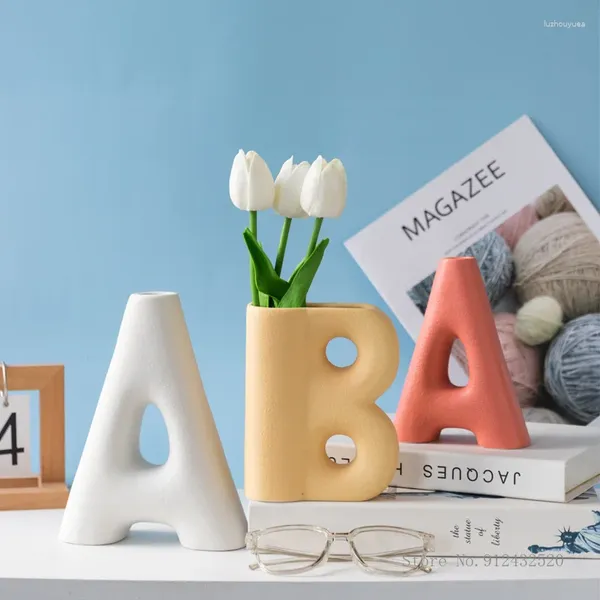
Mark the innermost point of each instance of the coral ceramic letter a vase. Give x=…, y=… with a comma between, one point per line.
x=296, y=400
x=115, y=487
x=458, y=308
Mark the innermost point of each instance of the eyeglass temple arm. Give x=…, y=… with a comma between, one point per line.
x=300, y=556
x=287, y=561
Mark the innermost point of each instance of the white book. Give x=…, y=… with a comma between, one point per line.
x=492, y=529
x=561, y=462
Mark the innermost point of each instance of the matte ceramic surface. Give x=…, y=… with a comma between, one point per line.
x=459, y=308
x=296, y=400
x=115, y=487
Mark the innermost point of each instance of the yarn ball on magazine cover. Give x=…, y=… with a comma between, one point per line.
x=572, y=369
x=538, y=320
x=540, y=414
x=514, y=227
x=524, y=362
x=509, y=303
x=560, y=257
x=551, y=202
x=495, y=263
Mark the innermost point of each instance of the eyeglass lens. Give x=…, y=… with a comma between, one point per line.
x=290, y=550
x=388, y=550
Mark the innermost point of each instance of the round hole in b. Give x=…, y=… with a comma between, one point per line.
x=341, y=352
x=341, y=449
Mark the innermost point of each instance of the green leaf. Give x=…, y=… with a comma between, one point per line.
x=297, y=269
x=295, y=297
x=264, y=299
x=267, y=280
x=300, y=266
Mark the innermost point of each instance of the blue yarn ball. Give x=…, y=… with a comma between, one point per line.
x=572, y=369
x=495, y=263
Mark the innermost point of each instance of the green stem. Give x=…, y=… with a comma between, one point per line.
x=253, y=288
x=283, y=240
x=315, y=236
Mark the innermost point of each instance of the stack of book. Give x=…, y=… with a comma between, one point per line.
x=476, y=501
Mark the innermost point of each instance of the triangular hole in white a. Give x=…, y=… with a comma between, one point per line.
x=154, y=439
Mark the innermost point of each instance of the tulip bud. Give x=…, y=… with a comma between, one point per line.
x=251, y=185
x=288, y=187
x=324, y=190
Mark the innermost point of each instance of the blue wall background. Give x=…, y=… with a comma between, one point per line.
x=119, y=121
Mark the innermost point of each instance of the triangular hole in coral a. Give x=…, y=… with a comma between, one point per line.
x=458, y=365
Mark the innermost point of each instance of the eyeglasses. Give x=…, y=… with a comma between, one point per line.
x=294, y=549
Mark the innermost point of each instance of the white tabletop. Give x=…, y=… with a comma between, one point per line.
x=151, y=564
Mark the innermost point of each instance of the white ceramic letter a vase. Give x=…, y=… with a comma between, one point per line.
x=115, y=487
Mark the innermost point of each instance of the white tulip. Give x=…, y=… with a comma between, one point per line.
x=324, y=190
x=288, y=186
x=251, y=185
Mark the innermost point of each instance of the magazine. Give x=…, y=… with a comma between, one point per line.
x=482, y=207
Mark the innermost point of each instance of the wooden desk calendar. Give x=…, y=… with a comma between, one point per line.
x=48, y=489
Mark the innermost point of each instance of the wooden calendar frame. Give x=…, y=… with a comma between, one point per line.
x=48, y=490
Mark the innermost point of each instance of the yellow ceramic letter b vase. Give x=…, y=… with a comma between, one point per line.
x=296, y=399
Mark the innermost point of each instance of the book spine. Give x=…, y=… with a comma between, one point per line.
x=470, y=473
x=460, y=527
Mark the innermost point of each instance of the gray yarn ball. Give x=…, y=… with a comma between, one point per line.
x=572, y=369
x=495, y=263
x=539, y=414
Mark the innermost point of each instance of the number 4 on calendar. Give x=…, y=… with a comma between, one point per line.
x=15, y=437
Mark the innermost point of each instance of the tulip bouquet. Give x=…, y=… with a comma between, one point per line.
x=299, y=191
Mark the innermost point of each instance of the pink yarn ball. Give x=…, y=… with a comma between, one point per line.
x=524, y=362
x=513, y=228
